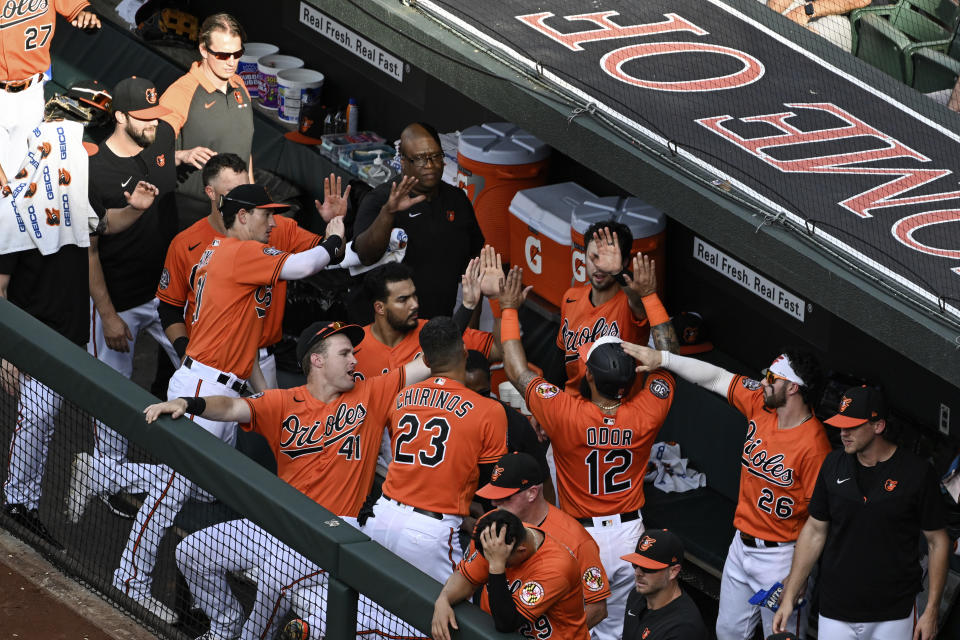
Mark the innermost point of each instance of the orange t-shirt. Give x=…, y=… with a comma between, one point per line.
x=327, y=451
x=583, y=323
x=184, y=254
x=26, y=30
x=375, y=358
x=779, y=467
x=233, y=289
x=601, y=459
x=571, y=533
x=440, y=431
x=545, y=588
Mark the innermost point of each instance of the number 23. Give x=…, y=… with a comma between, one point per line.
x=33, y=33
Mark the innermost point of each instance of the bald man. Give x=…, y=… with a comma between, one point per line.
x=438, y=218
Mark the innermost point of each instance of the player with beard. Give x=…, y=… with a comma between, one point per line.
x=784, y=448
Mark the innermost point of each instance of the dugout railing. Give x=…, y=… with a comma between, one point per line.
x=355, y=564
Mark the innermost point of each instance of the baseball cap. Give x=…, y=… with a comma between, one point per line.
x=321, y=330
x=613, y=370
x=656, y=549
x=783, y=635
x=691, y=333
x=248, y=196
x=513, y=472
x=858, y=405
x=138, y=97
x=309, y=124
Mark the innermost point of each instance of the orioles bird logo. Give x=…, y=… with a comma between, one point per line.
x=645, y=543
x=63, y=177
x=307, y=123
x=151, y=95
x=238, y=97
x=690, y=335
x=646, y=633
x=451, y=215
x=6, y=190
x=53, y=217
x=21, y=174
x=890, y=485
x=497, y=472
x=32, y=189
x=161, y=160
x=44, y=149
x=844, y=403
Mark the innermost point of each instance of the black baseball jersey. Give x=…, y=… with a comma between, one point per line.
x=132, y=260
x=870, y=567
x=678, y=620
x=443, y=236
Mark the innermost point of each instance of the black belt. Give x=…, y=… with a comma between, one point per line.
x=237, y=386
x=756, y=543
x=19, y=85
x=624, y=517
x=429, y=514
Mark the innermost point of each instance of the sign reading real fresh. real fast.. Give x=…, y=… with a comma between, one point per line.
x=356, y=44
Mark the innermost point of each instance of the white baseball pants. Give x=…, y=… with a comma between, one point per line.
x=615, y=539
x=37, y=408
x=886, y=630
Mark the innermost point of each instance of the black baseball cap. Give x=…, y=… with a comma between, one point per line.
x=783, y=635
x=691, y=333
x=613, y=370
x=138, y=97
x=309, y=124
x=656, y=549
x=321, y=330
x=249, y=197
x=513, y=472
x=859, y=405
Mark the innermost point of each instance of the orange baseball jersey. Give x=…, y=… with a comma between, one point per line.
x=571, y=533
x=232, y=286
x=26, y=30
x=601, y=459
x=545, y=588
x=440, y=431
x=327, y=451
x=779, y=467
x=375, y=358
x=583, y=323
x=184, y=254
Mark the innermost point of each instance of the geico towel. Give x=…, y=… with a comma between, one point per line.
x=44, y=205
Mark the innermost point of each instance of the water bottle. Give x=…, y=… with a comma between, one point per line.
x=340, y=122
x=353, y=116
x=328, y=124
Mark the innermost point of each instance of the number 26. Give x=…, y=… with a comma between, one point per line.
x=33, y=33
x=782, y=506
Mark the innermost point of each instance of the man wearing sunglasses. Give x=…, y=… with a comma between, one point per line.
x=438, y=218
x=210, y=111
x=784, y=447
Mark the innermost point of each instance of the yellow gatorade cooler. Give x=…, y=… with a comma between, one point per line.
x=540, y=236
x=494, y=161
x=647, y=224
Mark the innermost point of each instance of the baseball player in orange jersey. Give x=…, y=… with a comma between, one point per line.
x=531, y=582
x=26, y=29
x=601, y=444
x=440, y=431
x=231, y=285
x=327, y=429
x=784, y=447
x=221, y=174
x=516, y=485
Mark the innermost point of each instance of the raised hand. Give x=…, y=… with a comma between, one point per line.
x=644, y=279
x=335, y=227
x=513, y=294
x=334, y=204
x=491, y=272
x=197, y=156
x=399, y=199
x=647, y=359
x=470, y=284
x=142, y=197
x=607, y=257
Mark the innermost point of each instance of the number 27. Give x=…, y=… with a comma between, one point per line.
x=33, y=33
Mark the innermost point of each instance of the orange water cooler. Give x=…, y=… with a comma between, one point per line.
x=646, y=223
x=494, y=161
x=540, y=236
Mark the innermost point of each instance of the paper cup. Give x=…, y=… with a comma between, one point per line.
x=268, y=67
x=296, y=87
x=247, y=67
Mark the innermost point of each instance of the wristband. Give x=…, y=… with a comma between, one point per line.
x=332, y=245
x=462, y=317
x=195, y=406
x=180, y=346
x=495, y=307
x=509, y=325
x=656, y=314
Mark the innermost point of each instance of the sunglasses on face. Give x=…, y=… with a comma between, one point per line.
x=771, y=377
x=226, y=55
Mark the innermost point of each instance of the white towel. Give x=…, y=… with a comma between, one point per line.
x=44, y=205
x=396, y=250
x=669, y=472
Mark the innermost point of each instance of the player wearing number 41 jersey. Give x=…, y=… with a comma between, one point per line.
x=782, y=453
x=440, y=430
x=601, y=442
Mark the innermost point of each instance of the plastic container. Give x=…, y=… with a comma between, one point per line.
x=494, y=162
x=355, y=159
x=268, y=68
x=247, y=65
x=353, y=116
x=336, y=143
x=377, y=172
x=296, y=87
x=647, y=224
x=540, y=236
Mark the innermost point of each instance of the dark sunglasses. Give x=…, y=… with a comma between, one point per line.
x=226, y=55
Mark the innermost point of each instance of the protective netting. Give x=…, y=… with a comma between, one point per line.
x=780, y=106
x=150, y=540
